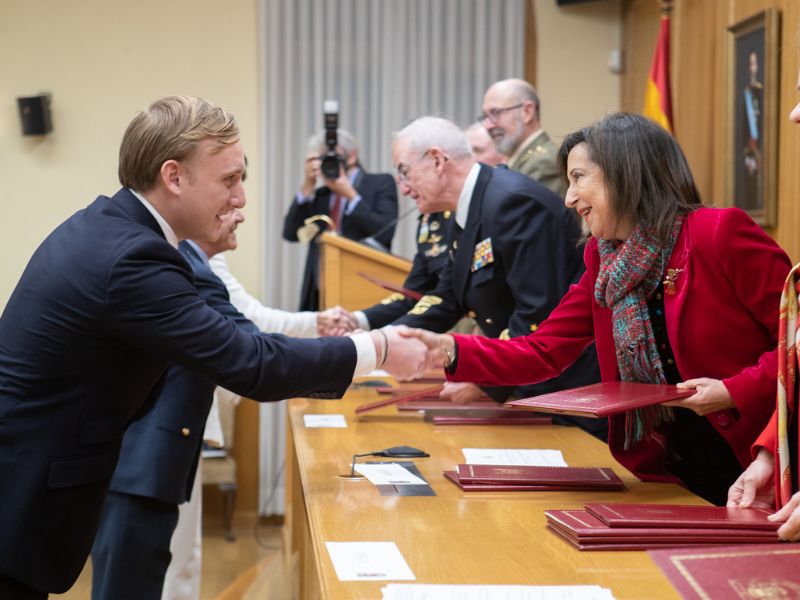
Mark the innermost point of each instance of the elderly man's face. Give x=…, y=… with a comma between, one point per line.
x=416, y=177
x=507, y=128
x=483, y=147
x=230, y=222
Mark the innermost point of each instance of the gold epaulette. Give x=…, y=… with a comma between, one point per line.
x=424, y=303
x=396, y=297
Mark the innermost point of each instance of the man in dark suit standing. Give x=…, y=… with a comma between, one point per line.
x=514, y=247
x=104, y=306
x=359, y=204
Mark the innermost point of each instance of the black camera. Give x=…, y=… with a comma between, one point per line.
x=331, y=161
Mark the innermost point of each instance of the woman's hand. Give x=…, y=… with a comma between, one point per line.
x=790, y=530
x=439, y=344
x=710, y=396
x=754, y=488
x=462, y=393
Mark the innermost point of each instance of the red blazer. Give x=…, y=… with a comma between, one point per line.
x=722, y=322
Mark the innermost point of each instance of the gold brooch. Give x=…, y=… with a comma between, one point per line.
x=670, y=279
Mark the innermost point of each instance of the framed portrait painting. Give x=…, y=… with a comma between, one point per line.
x=751, y=140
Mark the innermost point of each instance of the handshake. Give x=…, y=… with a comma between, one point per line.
x=406, y=353
x=336, y=321
x=403, y=352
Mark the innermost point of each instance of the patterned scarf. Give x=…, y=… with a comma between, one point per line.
x=787, y=379
x=629, y=274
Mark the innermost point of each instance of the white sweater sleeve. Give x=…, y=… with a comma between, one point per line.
x=268, y=320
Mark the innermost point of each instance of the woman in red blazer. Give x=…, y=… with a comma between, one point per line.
x=673, y=293
x=757, y=486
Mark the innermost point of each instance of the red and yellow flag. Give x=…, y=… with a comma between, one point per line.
x=657, y=96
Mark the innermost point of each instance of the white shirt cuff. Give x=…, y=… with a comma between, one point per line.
x=365, y=352
x=363, y=322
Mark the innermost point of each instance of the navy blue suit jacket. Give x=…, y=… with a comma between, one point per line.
x=160, y=451
x=535, y=257
x=376, y=209
x=103, y=307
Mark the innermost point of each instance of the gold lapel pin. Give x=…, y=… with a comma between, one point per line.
x=670, y=279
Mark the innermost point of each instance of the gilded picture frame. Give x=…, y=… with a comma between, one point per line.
x=751, y=131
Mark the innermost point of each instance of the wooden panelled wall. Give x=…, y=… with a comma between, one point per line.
x=699, y=83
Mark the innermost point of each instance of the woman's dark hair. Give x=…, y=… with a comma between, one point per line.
x=646, y=174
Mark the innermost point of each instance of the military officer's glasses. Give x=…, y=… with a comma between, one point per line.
x=494, y=113
x=402, y=170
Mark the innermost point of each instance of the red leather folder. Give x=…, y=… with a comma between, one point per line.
x=618, y=546
x=583, y=477
x=602, y=399
x=396, y=399
x=676, y=515
x=498, y=411
x=583, y=527
x=465, y=420
x=452, y=476
x=402, y=391
x=725, y=572
x=387, y=285
x=431, y=403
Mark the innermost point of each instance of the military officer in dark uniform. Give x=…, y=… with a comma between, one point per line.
x=514, y=248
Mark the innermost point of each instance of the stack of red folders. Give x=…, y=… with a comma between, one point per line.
x=650, y=526
x=525, y=478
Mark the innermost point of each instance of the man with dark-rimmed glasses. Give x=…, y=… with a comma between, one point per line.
x=511, y=116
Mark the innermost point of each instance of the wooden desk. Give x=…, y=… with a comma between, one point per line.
x=454, y=537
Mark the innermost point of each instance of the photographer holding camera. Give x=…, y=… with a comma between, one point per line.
x=358, y=204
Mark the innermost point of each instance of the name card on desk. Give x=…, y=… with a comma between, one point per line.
x=331, y=421
x=514, y=456
x=368, y=561
x=388, y=474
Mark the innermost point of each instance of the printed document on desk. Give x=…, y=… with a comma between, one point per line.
x=368, y=561
x=514, y=456
x=324, y=421
x=388, y=474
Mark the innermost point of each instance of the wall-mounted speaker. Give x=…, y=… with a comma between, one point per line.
x=34, y=114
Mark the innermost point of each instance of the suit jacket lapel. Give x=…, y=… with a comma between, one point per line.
x=189, y=253
x=469, y=237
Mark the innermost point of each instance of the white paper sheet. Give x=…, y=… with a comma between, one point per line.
x=368, y=561
x=376, y=373
x=514, y=456
x=388, y=474
x=420, y=591
x=324, y=421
